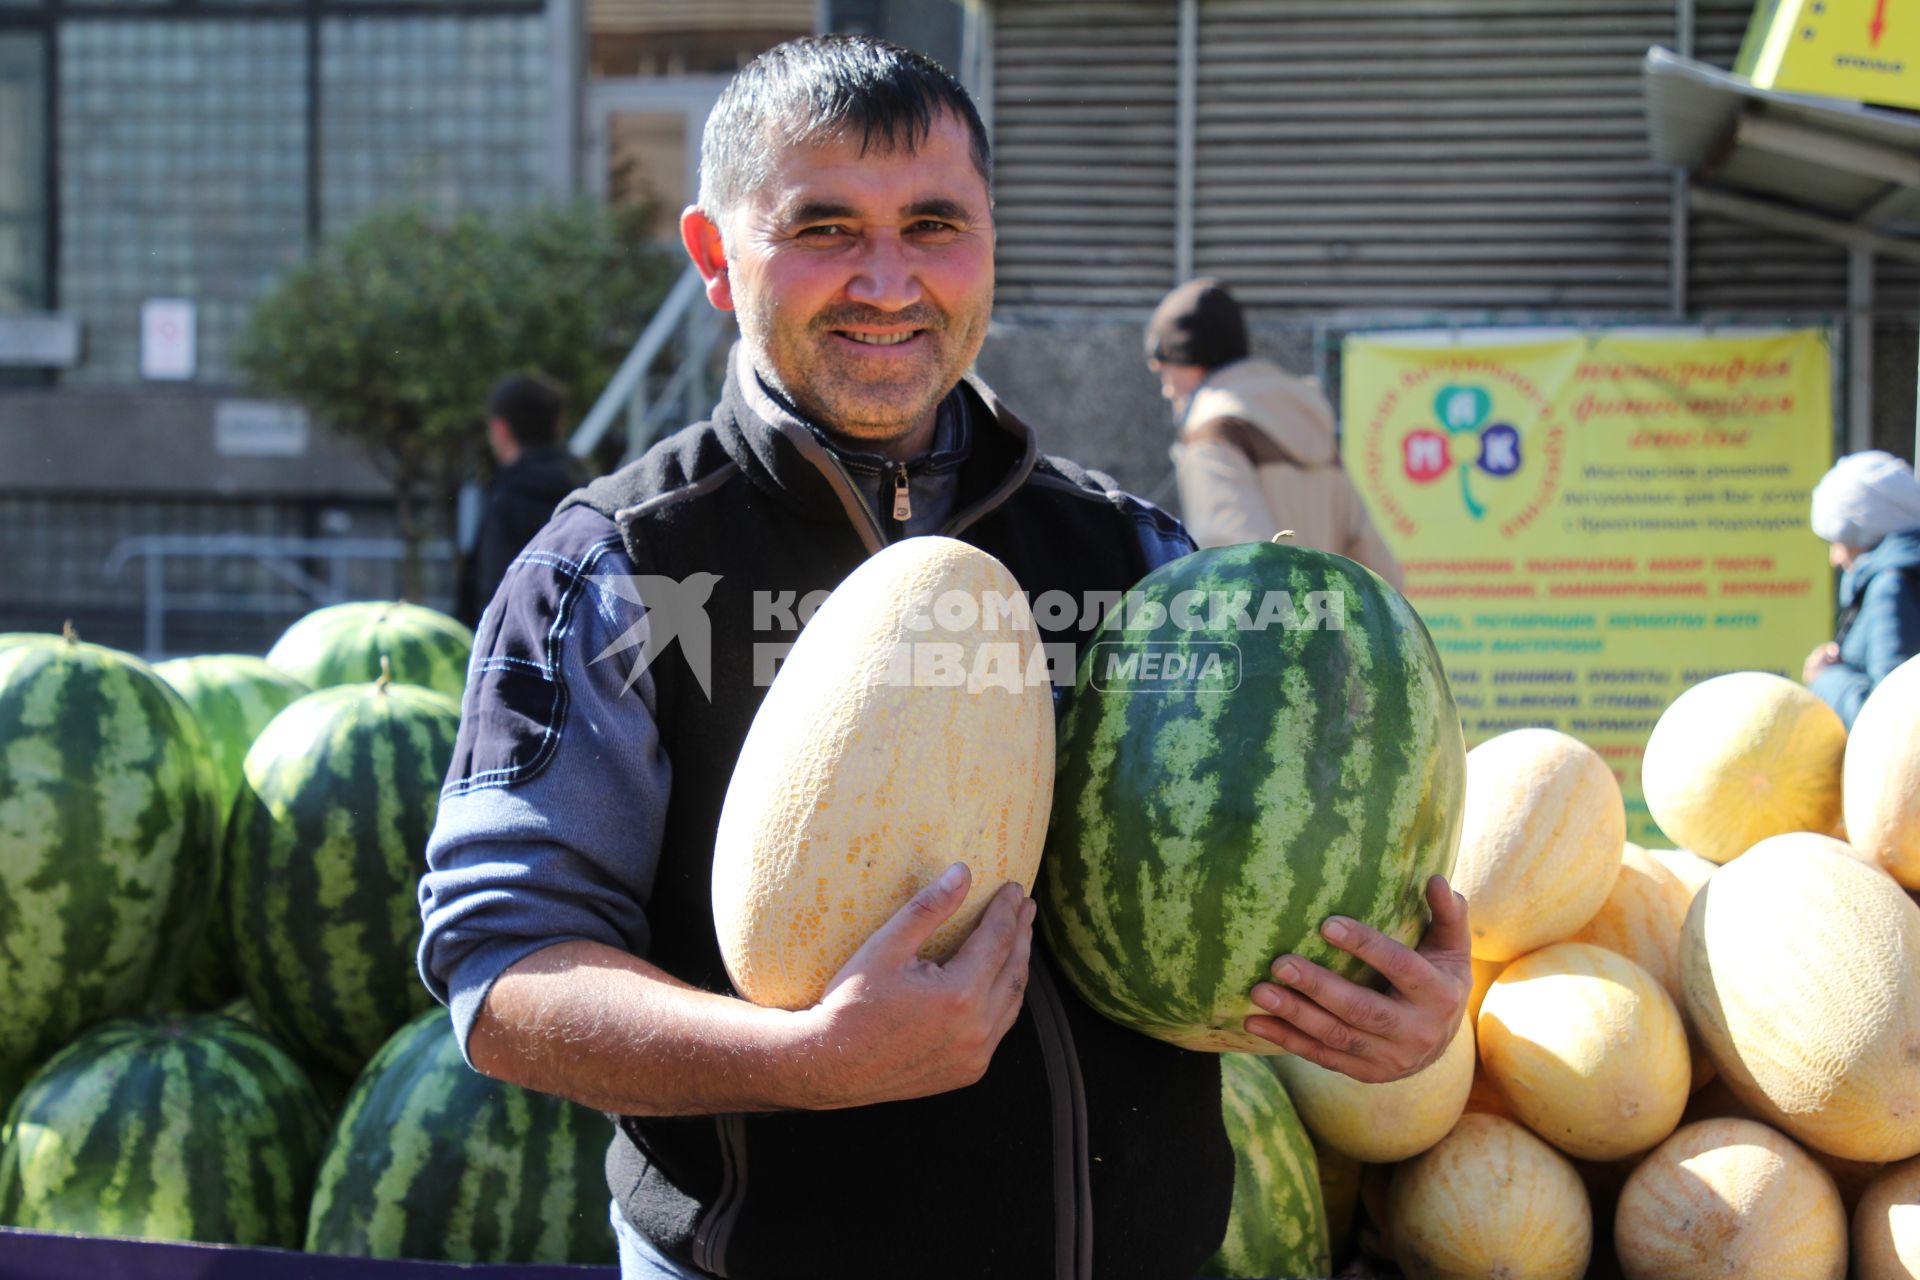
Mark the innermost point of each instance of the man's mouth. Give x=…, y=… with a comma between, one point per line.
x=880, y=339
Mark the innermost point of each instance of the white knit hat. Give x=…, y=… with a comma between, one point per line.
x=1864, y=498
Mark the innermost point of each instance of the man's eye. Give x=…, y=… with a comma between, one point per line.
x=826, y=231
x=933, y=226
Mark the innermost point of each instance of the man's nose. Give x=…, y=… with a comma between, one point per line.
x=885, y=277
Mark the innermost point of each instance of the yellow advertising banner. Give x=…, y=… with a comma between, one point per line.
x=1866, y=50
x=1591, y=522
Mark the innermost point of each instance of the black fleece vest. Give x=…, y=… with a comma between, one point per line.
x=1087, y=1150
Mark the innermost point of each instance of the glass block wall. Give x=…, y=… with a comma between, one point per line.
x=22, y=185
x=183, y=174
x=451, y=113
x=184, y=157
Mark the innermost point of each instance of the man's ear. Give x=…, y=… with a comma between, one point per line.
x=701, y=236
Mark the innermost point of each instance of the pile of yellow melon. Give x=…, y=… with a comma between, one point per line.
x=1677, y=1064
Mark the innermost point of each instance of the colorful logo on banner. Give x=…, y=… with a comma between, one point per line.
x=1462, y=411
x=1490, y=432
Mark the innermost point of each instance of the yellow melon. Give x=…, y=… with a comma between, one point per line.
x=1641, y=917
x=1340, y=1194
x=1831, y=844
x=1490, y=1200
x=1886, y=1225
x=1588, y=1050
x=1382, y=1123
x=1726, y=1198
x=1741, y=757
x=1690, y=868
x=1540, y=840
x=1485, y=1097
x=1718, y=1102
x=1484, y=972
x=1801, y=969
x=1882, y=772
x=866, y=773
x=1641, y=920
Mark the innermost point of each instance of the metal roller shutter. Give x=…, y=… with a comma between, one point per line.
x=1083, y=120
x=1430, y=154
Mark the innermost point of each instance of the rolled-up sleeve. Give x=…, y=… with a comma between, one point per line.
x=549, y=827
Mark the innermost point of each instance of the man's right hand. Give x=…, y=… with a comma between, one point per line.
x=893, y=1025
x=613, y=1032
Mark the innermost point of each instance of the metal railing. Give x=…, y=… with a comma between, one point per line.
x=683, y=321
x=281, y=557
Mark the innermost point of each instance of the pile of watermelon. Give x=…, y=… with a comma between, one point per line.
x=213, y=1026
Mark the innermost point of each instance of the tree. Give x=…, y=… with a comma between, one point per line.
x=392, y=332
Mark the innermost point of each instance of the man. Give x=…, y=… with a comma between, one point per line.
x=966, y=1120
x=524, y=412
x=1256, y=451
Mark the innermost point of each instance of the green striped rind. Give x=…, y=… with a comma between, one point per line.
x=1198, y=834
x=343, y=644
x=323, y=856
x=432, y=1160
x=233, y=696
x=106, y=840
x=1277, y=1226
x=191, y=1127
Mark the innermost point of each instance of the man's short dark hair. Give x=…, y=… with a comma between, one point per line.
x=531, y=405
x=821, y=87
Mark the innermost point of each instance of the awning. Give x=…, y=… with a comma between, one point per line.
x=1816, y=167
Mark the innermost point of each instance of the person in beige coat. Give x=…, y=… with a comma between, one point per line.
x=1256, y=450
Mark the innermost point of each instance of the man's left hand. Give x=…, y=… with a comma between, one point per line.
x=1374, y=1036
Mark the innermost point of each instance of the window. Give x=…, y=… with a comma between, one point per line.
x=23, y=206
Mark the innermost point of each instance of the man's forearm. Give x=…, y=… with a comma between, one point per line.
x=605, y=1029
x=589, y=1022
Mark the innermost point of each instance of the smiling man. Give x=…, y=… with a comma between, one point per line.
x=968, y=1119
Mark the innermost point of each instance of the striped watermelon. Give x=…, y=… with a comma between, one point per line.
x=343, y=644
x=106, y=840
x=1205, y=824
x=433, y=1160
x=233, y=696
x=1278, y=1225
x=189, y=1127
x=323, y=857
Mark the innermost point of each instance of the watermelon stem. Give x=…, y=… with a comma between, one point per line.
x=66, y=630
x=386, y=675
x=1284, y=533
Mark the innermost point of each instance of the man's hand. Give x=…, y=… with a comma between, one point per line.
x=1819, y=660
x=1370, y=1035
x=895, y=1026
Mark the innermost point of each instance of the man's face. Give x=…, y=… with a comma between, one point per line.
x=863, y=283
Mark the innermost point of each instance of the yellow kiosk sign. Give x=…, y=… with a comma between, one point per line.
x=1591, y=523
x=1862, y=50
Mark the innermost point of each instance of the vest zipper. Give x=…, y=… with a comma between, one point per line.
x=902, y=501
x=715, y=1224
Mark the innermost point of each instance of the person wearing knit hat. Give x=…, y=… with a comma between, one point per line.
x=1867, y=508
x=1255, y=450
